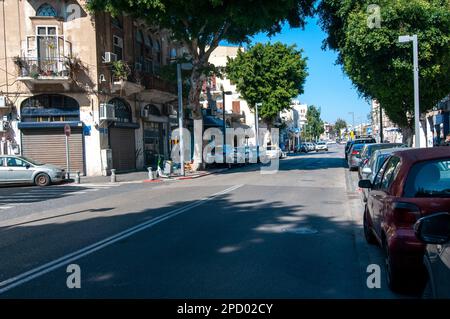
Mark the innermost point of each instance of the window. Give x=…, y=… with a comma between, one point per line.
x=2, y=161
x=118, y=47
x=15, y=162
x=429, y=179
x=50, y=108
x=377, y=179
x=390, y=173
x=122, y=110
x=46, y=10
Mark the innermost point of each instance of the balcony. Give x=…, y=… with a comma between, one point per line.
x=49, y=71
x=158, y=89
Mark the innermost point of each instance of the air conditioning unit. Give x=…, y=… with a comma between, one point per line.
x=107, y=112
x=109, y=57
x=4, y=125
x=3, y=101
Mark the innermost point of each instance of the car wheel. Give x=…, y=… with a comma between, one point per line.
x=368, y=233
x=42, y=179
x=394, y=276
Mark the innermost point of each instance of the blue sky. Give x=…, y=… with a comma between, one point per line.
x=326, y=86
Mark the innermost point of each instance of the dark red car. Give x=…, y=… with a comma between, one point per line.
x=410, y=184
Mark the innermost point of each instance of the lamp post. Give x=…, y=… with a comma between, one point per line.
x=224, y=124
x=413, y=38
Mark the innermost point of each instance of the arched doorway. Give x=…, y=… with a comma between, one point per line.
x=122, y=137
x=42, y=121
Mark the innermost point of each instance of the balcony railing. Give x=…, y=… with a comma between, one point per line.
x=43, y=68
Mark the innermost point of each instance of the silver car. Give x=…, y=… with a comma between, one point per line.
x=19, y=169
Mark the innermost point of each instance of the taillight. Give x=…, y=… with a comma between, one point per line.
x=355, y=152
x=366, y=161
x=405, y=214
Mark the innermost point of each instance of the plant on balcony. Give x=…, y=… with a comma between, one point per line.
x=21, y=64
x=73, y=65
x=121, y=70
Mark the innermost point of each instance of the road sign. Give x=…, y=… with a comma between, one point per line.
x=67, y=130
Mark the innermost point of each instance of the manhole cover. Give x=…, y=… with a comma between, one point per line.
x=301, y=230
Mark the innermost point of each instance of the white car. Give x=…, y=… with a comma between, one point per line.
x=274, y=152
x=321, y=146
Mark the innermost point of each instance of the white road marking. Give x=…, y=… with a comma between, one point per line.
x=6, y=207
x=50, y=266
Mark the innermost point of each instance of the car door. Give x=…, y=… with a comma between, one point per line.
x=379, y=192
x=18, y=170
x=3, y=170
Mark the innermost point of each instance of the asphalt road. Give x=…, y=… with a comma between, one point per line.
x=239, y=234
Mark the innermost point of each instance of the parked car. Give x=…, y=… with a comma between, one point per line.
x=374, y=164
x=303, y=148
x=369, y=149
x=354, y=156
x=411, y=184
x=274, y=152
x=22, y=170
x=311, y=146
x=434, y=230
x=366, y=140
x=321, y=146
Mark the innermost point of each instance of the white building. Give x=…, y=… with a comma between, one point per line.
x=295, y=120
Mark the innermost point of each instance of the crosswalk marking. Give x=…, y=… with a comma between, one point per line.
x=36, y=195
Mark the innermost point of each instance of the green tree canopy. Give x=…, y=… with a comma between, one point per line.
x=271, y=74
x=339, y=125
x=199, y=25
x=378, y=65
x=314, y=124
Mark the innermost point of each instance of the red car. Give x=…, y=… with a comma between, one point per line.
x=410, y=184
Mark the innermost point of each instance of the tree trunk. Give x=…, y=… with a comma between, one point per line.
x=194, y=104
x=408, y=134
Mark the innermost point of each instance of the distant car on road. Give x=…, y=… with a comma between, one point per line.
x=354, y=156
x=411, y=184
x=366, y=140
x=22, y=170
x=369, y=149
x=434, y=230
x=274, y=152
x=370, y=170
x=321, y=146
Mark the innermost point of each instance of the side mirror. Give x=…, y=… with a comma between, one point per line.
x=366, y=171
x=27, y=166
x=365, y=183
x=433, y=229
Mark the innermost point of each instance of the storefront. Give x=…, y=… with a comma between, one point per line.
x=155, y=128
x=122, y=137
x=42, y=121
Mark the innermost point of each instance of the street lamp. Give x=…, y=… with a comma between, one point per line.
x=224, y=123
x=413, y=38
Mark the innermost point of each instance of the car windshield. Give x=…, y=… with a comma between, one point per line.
x=429, y=179
x=29, y=160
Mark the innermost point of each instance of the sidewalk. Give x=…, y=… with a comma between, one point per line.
x=142, y=177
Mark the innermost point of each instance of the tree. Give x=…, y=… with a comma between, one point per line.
x=314, y=124
x=339, y=125
x=271, y=74
x=200, y=25
x=366, y=39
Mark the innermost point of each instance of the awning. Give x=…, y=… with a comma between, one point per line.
x=35, y=125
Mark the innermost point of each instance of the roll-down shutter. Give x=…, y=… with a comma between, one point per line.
x=122, y=142
x=49, y=146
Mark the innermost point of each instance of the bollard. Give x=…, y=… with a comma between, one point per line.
x=113, y=176
x=150, y=173
x=77, y=178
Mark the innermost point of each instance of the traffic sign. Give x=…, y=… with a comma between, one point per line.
x=67, y=130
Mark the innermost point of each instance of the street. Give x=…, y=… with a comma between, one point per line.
x=238, y=234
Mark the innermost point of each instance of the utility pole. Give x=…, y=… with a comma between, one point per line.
x=381, y=124
x=180, y=117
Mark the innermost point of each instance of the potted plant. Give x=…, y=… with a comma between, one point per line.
x=121, y=71
x=22, y=65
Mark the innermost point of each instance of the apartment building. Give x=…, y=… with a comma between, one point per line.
x=61, y=65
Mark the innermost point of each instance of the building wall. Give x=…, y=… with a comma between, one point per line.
x=90, y=37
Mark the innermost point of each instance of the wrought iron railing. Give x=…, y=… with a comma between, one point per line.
x=43, y=67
